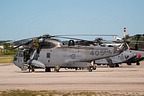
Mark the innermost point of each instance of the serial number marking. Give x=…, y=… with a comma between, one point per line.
x=101, y=52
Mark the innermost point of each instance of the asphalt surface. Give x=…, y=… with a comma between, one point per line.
x=123, y=79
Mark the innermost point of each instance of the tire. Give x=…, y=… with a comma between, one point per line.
x=94, y=68
x=89, y=69
x=137, y=63
x=116, y=65
x=129, y=63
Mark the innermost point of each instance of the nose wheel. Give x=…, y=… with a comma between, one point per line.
x=137, y=63
x=90, y=68
x=31, y=69
x=26, y=67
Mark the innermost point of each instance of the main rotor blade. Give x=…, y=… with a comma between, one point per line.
x=63, y=36
x=22, y=44
x=94, y=41
x=85, y=35
x=69, y=38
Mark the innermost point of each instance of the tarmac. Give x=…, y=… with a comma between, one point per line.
x=122, y=79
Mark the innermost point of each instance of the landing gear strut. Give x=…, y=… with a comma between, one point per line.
x=31, y=69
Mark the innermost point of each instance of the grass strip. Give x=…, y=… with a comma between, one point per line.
x=7, y=59
x=61, y=93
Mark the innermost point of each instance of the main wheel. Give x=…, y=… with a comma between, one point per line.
x=89, y=69
x=137, y=63
x=111, y=65
x=116, y=65
x=128, y=63
x=94, y=67
x=31, y=69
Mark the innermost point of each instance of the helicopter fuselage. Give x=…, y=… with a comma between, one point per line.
x=63, y=56
x=51, y=54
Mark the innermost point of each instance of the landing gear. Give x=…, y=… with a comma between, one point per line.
x=47, y=69
x=137, y=63
x=113, y=65
x=129, y=63
x=94, y=67
x=90, y=68
x=31, y=69
x=27, y=67
x=116, y=65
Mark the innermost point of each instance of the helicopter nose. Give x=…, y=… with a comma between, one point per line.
x=16, y=62
x=139, y=55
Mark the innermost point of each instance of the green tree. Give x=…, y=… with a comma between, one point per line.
x=6, y=46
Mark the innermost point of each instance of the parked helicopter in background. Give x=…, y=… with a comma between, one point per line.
x=139, y=57
x=48, y=52
x=132, y=55
x=128, y=56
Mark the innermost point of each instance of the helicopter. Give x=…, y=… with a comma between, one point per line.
x=139, y=57
x=136, y=44
x=128, y=56
x=125, y=57
x=47, y=52
x=131, y=55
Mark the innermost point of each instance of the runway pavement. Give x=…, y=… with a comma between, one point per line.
x=123, y=79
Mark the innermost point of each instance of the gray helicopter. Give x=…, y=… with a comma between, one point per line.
x=139, y=57
x=47, y=52
x=125, y=57
x=137, y=45
x=128, y=56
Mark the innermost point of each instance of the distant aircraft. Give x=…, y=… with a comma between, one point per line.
x=124, y=57
x=140, y=57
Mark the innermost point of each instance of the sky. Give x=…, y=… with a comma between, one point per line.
x=21, y=19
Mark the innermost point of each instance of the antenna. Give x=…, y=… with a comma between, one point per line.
x=125, y=32
x=125, y=38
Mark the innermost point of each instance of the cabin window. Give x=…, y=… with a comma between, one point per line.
x=26, y=55
x=71, y=43
x=48, y=55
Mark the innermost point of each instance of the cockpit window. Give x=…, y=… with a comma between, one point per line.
x=20, y=54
